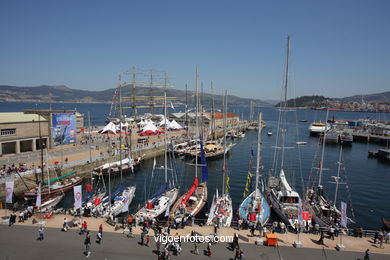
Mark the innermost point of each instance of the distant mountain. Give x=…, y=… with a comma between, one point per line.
x=321, y=101
x=62, y=93
x=306, y=101
x=383, y=97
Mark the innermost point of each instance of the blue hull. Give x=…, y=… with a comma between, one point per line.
x=265, y=211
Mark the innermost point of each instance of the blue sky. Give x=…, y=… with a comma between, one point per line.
x=339, y=48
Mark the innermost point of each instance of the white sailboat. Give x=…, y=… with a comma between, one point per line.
x=165, y=196
x=284, y=200
x=221, y=211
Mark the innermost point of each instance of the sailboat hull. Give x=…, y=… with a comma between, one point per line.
x=181, y=212
x=245, y=208
x=221, y=212
x=160, y=205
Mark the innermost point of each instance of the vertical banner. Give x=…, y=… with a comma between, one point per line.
x=9, y=191
x=38, y=201
x=300, y=217
x=63, y=128
x=343, y=220
x=77, y=196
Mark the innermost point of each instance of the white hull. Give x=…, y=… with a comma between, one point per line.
x=221, y=212
x=160, y=205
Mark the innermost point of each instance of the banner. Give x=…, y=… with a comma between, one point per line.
x=38, y=202
x=77, y=196
x=9, y=191
x=343, y=221
x=63, y=128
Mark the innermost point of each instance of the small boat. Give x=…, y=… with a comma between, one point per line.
x=269, y=133
x=317, y=128
x=346, y=138
x=332, y=137
x=301, y=143
x=115, y=167
x=57, y=185
x=303, y=120
x=50, y=203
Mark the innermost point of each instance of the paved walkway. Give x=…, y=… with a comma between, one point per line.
x=285, y=240
x=20, y=242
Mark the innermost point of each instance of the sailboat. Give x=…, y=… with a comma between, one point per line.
x=255, y=208
x=323, y=211
x=191, y=202
x=284, y=200
x=221, y=211
x=165, y=196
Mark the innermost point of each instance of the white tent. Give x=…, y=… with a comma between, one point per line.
x=150, y=127
x=110, y=128
x=164, y=122
x=125, y=125
x=174, y=125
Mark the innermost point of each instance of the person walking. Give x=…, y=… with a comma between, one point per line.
x=101, y=230
x=158, y=247
x=41, y=232
x=87, y=243
x=147, y=240
x=142, y=238
x=237, y=255
x=367, y=254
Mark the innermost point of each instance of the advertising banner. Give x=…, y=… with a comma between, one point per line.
x=63, y=128
x=9, y=191
x=343, y=221
x=38, y=201
x=77, y=196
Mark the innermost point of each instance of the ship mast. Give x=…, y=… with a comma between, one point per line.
x=323, y=151
x=224, y=100
x=258, y=152
x=197, y=123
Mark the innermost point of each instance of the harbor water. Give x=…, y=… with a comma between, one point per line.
x=368, y=180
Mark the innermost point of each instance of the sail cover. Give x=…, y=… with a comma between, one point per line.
x=160, y=191
x=191, y=191
x=205, y=171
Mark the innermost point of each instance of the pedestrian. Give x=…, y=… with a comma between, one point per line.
x=192, y=220
x=237, y=255
x=196, y=250
x=87, y=243
x=142, y=238
x=158, y=246
x=381, y=238
x=147, y=240
x=367, y=254
x=242, y=257
x=99, y=237
x=65, y=225
x=321, y=240
x=101, y=229
x=209, y=250
x=252, y=230
x=41, y=232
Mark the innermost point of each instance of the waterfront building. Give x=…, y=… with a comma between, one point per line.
x=32, y=130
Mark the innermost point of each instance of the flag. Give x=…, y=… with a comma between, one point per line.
x=38, y=201
x=300, y=218
x=9, y=191
x=343, y=221
x=227, y=183
x=248, y=182
x=77, y=196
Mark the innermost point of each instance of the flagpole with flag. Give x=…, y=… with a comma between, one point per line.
x=38, y=202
